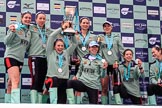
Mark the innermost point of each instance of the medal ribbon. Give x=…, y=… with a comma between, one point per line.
x=85, y=39
x=109, y=42
x=127, y=71
x=159, y=64
x=60, y=63
x=20, y=26
x=43, y=34
x=66, y=41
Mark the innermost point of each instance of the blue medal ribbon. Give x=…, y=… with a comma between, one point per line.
x=76, y=27
x=98, y=57
x=127, y=72
x=66, y=41
x=20, y=26
x=85, y=39
x=159, y=64
x=43, y=34
x=60, y=63
x=109, y=42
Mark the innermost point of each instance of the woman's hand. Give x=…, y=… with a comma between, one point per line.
x=105, y=64
x=74, y=78
x=65, y=24
x=139, y=63
x=12, y=27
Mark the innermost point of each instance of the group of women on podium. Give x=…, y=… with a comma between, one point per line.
x=51, y=52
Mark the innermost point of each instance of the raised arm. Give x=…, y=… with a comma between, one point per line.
x=52, y=37
x=11, y=33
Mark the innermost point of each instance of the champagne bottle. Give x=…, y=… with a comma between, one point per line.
x=117, y=75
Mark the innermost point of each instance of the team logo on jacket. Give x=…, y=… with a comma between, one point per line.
x=20, y=32
x=85, y=62
x=35, y=29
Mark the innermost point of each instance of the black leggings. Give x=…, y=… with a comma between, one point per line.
x=38, y=71
x=79, y=86
x=124, y=94
x=154, y=89
x=61, y=85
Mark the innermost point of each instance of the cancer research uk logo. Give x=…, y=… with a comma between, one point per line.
x=13, y=6
x=154, y=40
x=126, y=11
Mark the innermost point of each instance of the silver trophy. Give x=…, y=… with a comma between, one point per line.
x=70, y=12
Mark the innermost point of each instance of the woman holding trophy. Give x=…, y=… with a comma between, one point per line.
x=58, y=65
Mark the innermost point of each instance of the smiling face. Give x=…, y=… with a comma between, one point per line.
x=156, y=52
x=93, y=49
x=26, y=18
x=84, y=24
x=40, y=20
x=107, y=28
x=59, y=46
x=128, y=55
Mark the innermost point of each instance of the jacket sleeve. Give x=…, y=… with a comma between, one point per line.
x=9, y=37
x=52, y=37
x=153, y=74
x=138, y=73
x=79, y=73
x=120, y=46
x=72, y=46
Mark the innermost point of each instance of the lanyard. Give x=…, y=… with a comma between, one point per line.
x=21, y=26
x=127, y=71
x=109, y=42
x=66, y=41
x=43, y=34
x=159, y=64
x=76, y=27
x=60, y=63
x=85, y=39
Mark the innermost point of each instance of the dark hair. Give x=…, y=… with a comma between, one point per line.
x=40, y=12
x=25, y=12
x=158, y=48
x=58, y=39
x=81, y=19
x=126, y=51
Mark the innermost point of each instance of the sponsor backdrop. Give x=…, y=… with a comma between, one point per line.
x=138, y=22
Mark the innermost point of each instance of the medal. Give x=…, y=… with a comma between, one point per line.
x=16, y=26
x=109, y=52
x=44, y=45
x=59, y=70
x=83, y=48
x=103, y=60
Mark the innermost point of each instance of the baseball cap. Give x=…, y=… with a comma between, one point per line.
x=107, y=22
x=93, y=43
